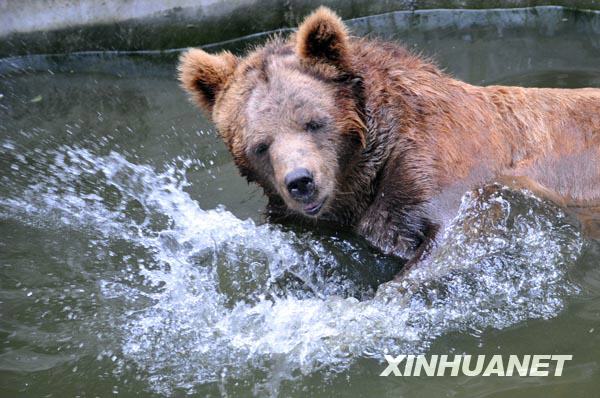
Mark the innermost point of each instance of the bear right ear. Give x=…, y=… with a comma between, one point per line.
x=204, y=75
x=323, y=37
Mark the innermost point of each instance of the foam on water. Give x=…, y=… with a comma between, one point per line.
x=213, y=298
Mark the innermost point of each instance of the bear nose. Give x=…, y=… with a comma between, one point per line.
x=300, y=184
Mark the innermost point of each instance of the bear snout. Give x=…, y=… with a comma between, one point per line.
x=300, y=184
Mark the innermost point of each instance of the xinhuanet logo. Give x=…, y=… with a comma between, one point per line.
x=480, y=365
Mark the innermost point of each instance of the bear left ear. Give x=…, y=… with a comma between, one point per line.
x=323, y=37
x=204, y=75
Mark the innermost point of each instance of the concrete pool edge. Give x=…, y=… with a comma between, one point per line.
x=62, y=26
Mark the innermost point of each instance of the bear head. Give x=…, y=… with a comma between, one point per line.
x=290, y=112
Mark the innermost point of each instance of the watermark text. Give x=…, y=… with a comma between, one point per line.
x=480, y=365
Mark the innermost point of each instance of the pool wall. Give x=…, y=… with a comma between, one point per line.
x=62, y=26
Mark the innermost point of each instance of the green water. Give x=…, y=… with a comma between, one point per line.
x=134, y=261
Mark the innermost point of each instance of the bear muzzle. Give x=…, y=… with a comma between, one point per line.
x=302, y=188
x=300, y=184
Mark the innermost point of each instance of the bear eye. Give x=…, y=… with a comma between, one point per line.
x=313, y=125
x=261, y=148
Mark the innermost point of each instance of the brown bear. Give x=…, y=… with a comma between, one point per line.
x=362, y=134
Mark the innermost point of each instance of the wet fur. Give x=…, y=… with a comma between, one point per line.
x=404, y=137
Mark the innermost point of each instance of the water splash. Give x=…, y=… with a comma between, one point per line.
x=208, y=298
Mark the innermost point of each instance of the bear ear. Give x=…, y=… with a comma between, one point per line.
x=323, y=37
x=204, y=75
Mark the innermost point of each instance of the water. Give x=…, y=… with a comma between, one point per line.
x=135, y=261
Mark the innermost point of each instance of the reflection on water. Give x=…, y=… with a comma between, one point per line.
x=134, y=259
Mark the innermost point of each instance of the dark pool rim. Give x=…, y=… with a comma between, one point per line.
x=541, y=15
x=171, y=33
